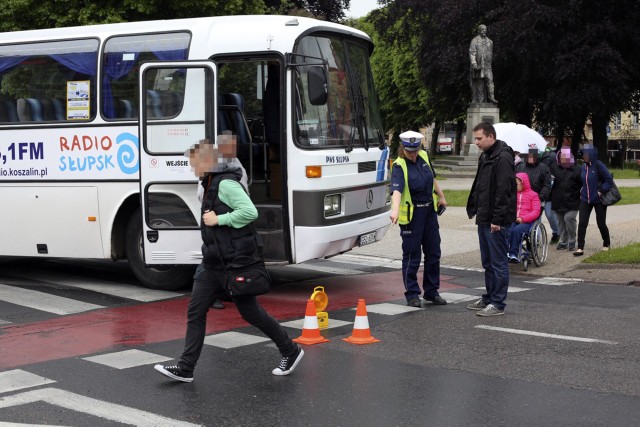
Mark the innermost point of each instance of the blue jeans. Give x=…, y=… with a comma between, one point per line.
x=493, y=253
x=551, y=217
x=516, y=233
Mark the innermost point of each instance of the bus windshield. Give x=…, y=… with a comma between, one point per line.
x=351, y=115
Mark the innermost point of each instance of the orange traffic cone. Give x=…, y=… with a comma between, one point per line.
x=310, y=331
x=361, y=333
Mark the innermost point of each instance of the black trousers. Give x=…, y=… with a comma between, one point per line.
x=601, y=220
x=207, y=286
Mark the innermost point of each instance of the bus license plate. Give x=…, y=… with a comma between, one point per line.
x=365, y=239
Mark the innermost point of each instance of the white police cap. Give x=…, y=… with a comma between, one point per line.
x=411, y=141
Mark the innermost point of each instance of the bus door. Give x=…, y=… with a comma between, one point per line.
x=176, y=111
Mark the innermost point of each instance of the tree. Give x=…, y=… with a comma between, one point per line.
x=330, y=10
x=397, y=78
x=556, y=62
x=30, y=14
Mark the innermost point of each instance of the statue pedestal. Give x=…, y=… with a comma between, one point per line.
x=476, y=113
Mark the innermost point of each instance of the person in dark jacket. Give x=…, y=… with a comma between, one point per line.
x=227, y=214
x=596, y=180
x=565, y=197
x=541, y=181
x=493, y=203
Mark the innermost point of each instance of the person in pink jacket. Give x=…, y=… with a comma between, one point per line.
x=527, y=211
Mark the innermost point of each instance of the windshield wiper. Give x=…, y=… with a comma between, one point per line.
x=355, y=94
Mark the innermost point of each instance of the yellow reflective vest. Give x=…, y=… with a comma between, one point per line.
x=406, y=206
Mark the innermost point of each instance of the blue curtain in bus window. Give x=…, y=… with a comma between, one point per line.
x=85, y=62
x=171, y=55
x=10, y=62
x=114, y=68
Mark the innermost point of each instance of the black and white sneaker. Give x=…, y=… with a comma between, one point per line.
x=175, y=373
x=289, y=363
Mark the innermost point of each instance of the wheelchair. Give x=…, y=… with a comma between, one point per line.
x=535, y=245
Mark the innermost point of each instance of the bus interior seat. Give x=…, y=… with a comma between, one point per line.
x=36, y=109
x=125, y=109
x=58, y=109
x=47, y=109
x=223, y=119
x=23, y=110
x=10, y=110
x=238, y=119
x=171, y=102
x=154, y=109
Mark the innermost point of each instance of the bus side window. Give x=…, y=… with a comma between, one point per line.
x=122, y=58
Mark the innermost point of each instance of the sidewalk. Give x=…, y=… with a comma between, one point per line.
x=460, y=242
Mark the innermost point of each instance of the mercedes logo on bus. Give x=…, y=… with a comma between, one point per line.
x=369, y=199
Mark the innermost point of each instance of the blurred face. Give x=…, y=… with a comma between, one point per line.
x=519, y=184
x=203, y=159
x=587, y=151
x=482, y=30
x=483, y=141
x=565, y=158
x=533, y=156
x=227, y=146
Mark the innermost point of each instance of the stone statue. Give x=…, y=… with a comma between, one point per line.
x=481, y=76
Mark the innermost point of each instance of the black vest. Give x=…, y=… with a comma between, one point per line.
x=222, y=245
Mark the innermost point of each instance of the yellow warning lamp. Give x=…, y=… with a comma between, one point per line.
x=320, y=300
x=314, y=171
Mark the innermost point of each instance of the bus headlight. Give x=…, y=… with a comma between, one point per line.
x=332, y=205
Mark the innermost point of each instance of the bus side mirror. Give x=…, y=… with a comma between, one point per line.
x=317, y=84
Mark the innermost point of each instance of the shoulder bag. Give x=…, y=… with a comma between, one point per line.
x=612, y=196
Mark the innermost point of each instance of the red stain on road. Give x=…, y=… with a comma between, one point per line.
x=115, y=329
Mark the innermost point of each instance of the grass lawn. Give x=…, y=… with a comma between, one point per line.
x=626, y=255
x=627, y=173
x=630, y=196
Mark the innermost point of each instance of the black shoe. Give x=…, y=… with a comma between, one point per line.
x=414, y=302
x=289, y=363
x=561, y=247
x=175, y=373
x=437, y=300
x=218, y=304
x=554, y=239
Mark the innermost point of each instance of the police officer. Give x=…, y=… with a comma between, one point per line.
x=413, y=185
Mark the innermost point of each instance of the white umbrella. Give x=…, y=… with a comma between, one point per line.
x=519, y=137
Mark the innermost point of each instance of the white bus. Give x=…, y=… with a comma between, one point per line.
x=94, y=122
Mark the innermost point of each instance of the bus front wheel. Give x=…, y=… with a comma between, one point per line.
x=167, y=278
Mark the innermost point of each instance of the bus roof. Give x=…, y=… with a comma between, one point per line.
x=237, y=33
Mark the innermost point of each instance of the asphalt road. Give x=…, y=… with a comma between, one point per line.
x=565, y=353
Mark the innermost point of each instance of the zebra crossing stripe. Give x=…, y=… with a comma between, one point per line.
x=43, y=301
x=122, y=290
x=127, y=359
x=554, y=281
x=17, y=379
x=326, y=269
x=87, y=405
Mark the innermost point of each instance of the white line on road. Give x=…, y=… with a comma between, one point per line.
x=544, y=335
x=18, y=379
x=554, y=281
x=325, y=269
x=122, y=290
x=87, y=405
x=371, y=261
x=43, y=301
